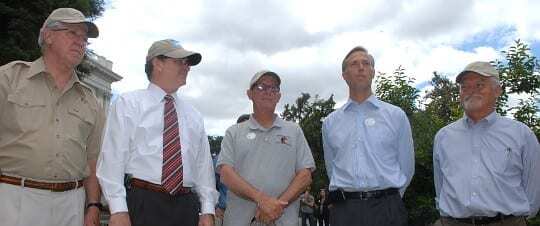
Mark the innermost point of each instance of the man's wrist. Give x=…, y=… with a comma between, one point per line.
x=94, y=204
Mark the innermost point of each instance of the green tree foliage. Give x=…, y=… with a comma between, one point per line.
x=443, y=100
x=215, y=143
x=20, y=22
x=309, y=115
x=518, y=73
x=398, y=89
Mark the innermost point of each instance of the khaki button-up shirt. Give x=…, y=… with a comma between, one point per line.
x=46, y=133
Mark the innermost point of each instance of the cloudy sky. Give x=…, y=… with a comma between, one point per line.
x=305, y=41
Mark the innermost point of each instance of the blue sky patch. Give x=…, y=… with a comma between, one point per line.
x=496, y=38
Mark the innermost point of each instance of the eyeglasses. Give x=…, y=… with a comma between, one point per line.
x=474, y=86
x=263, y=88
x=181, y=61
x=72, y=34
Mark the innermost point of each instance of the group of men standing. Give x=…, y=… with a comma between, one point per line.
x=153, y=163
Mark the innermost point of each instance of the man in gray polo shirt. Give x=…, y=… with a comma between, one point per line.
x=265, y=162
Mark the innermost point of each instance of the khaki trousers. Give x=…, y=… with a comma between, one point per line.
x=22, y=206
x=515, y=221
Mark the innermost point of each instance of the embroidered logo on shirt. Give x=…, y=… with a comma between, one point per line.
x=284, y=140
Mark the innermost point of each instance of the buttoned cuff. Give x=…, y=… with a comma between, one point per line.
x=207, y=208
x=118, y=205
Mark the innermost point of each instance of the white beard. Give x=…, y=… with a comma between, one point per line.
x=473, y=102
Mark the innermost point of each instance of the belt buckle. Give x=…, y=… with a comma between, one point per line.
x=365, y=195
x=342, y=194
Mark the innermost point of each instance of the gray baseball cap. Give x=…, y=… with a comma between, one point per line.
x=171, y=48
x=482, y=68
x=71, y=16
x=260, y=74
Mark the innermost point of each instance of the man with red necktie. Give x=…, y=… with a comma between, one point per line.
x=155, y=167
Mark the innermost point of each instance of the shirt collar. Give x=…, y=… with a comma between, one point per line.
x=371, y=100
x=38, y=67
x=488, y=120
x=253, y=124
x=158, y=94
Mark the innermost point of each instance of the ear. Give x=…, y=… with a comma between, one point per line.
x=498, y=91
x=47, y=37
x=157, y=64
x=249, y=93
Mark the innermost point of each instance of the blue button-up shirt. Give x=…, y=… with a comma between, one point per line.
x=368, y=146
x=486, y=168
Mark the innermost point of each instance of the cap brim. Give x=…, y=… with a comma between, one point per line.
x=460, y=75
x=93, y=31
x=193, y=57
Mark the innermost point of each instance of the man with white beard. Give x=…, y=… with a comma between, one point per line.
x=486, y=166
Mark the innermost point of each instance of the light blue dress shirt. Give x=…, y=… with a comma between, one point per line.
x=368, y=146
x=486, y=168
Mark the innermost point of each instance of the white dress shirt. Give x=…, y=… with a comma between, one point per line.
x=133, y=144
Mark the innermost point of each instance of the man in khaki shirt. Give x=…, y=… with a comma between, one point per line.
x=50, y=131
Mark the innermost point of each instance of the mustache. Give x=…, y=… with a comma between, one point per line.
x=469, y=97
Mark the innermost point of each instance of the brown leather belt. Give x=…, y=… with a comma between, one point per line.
x=55, y=187
x=156, y=187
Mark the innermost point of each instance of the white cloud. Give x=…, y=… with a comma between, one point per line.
x=305, y=42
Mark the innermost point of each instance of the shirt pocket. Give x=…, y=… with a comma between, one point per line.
x=26, y=113
x=282, y=142
x=384, y=139
x=80, y=122
x=501, y=159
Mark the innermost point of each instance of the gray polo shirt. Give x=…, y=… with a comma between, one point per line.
x=268, y=159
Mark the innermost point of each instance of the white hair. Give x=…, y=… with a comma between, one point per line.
x=50, y=25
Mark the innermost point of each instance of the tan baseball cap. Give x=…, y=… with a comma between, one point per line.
x=482, y=68
x=171, y=48
x=71, y=16
x=262, y=73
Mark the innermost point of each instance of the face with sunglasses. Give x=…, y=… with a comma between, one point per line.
x=265, y=93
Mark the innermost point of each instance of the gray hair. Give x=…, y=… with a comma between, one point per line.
x=353, y=50
x=51, y=25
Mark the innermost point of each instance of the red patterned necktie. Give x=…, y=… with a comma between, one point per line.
x=171, y=178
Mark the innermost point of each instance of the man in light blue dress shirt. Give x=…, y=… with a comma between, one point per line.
x=485, y=165
x=368, y=151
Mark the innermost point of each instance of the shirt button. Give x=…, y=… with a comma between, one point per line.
x=58, y=136
x=57, y=120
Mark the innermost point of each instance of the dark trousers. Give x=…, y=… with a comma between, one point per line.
x=309, y=217
x=323, y=220
x=155, y=208
x=384, y=211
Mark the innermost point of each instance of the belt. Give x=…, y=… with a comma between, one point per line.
x=156, y=187
x=55, y=187
x=364, y=195
x=482, y=219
